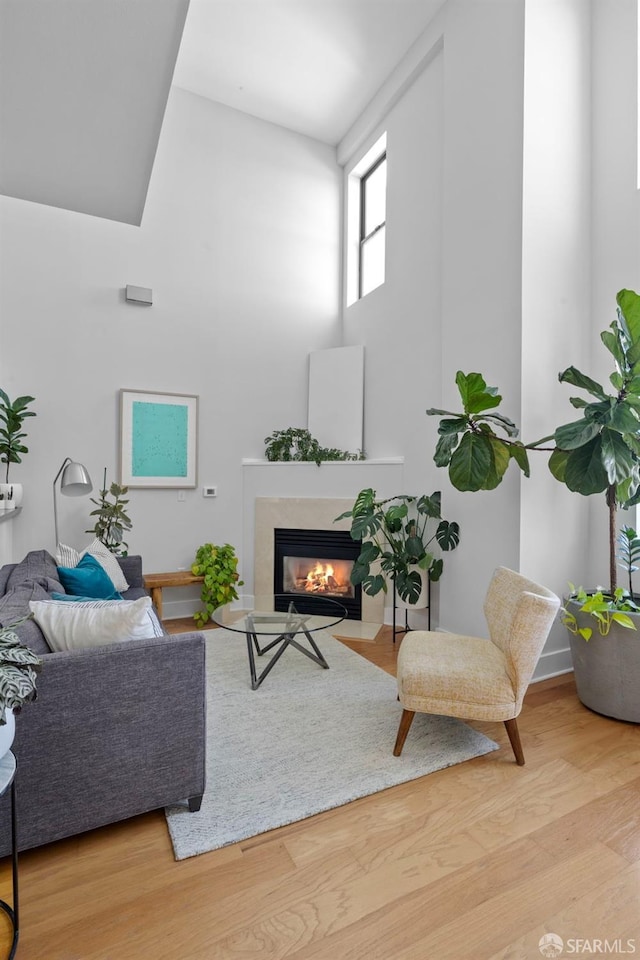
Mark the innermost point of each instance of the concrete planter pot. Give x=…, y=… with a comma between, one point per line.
x=607, y=669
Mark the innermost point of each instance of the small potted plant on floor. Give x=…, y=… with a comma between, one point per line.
x=401, y=534
x=218, y=565
x=599, y=453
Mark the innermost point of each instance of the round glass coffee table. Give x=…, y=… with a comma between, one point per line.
x=283, y=621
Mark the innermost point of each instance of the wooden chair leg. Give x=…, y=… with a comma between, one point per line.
x=405, y=722
x=514, y=739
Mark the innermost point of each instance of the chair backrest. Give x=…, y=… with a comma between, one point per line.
x=519, y=614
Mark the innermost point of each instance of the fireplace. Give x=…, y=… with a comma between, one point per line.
x=316, y=563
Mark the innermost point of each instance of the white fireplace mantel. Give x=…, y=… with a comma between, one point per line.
x=325, y=463
x=339, y=481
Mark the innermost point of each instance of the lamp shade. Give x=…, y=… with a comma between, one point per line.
x=75, y=480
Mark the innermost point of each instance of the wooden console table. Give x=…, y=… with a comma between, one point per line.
x=154, y=582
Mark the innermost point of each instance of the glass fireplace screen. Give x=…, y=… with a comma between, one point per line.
x=317, y=576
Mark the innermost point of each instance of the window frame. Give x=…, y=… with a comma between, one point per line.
x=362, y=237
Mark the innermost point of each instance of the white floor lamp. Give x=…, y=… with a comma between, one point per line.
x=75, y=482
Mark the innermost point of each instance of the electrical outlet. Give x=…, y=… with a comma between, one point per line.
x=209, y=491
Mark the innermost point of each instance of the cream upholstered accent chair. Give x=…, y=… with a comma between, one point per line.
x=474, y=678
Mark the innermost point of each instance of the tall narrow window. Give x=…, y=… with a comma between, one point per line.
x=373, y=214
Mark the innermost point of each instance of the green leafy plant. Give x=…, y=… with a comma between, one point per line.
x=294, y=443
x=629, y=554
x=112, y=518
x=218, y=565
x=397, y=533
x=12, y=417
x=598, y=453
x=19, y=668
x=604, y=609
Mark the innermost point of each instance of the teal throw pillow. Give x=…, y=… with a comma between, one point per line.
x=88, y=579
x=73, y=599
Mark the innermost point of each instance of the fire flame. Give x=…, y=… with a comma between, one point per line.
x=320, y=579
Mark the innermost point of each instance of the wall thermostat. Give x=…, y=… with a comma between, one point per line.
x=209, y=491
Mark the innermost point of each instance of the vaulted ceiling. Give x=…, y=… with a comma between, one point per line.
x=84, y=83
x=310, y=65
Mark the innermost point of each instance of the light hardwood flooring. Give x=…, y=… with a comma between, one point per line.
x=476, y=862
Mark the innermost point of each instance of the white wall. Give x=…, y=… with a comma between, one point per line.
x=399, y=321
x=556, y=285
x=451, y=299
x=240, y=243
x=616, y=211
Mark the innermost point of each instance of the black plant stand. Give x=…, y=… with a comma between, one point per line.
x=407, y=628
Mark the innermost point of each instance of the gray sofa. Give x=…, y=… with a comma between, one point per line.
x=116, y=730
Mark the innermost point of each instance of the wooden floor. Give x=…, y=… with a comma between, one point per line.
x=476, y=862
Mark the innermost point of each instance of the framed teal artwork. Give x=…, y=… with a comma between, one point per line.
x=158, y=439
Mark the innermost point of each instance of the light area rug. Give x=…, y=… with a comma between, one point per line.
x=307, y=740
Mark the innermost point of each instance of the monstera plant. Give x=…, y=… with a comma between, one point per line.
x=400, y=533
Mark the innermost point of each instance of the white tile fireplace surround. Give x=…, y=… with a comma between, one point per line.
x=305, y=496
x=304, y=514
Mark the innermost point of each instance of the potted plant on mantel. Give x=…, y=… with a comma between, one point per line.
x=12, y=417
x=396, y=533
x=597, y=454
x=297, y=444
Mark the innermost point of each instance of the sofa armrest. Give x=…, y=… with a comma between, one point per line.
x=132, y=569
x=116, y=731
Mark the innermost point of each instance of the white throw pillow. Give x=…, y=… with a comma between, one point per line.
x=78, y=625
x=67, y=556
x=108, y=563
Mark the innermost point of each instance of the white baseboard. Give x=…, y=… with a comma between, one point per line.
x=552, y=664
x=174, y=609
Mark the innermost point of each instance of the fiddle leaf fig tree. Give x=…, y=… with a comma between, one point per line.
x=597, y=453
x=12, y=416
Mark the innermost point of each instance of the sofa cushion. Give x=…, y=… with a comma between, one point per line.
x=94, y=623
x=88, y=579
x=67, y=556
x=70, y=557
x=109, y=563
